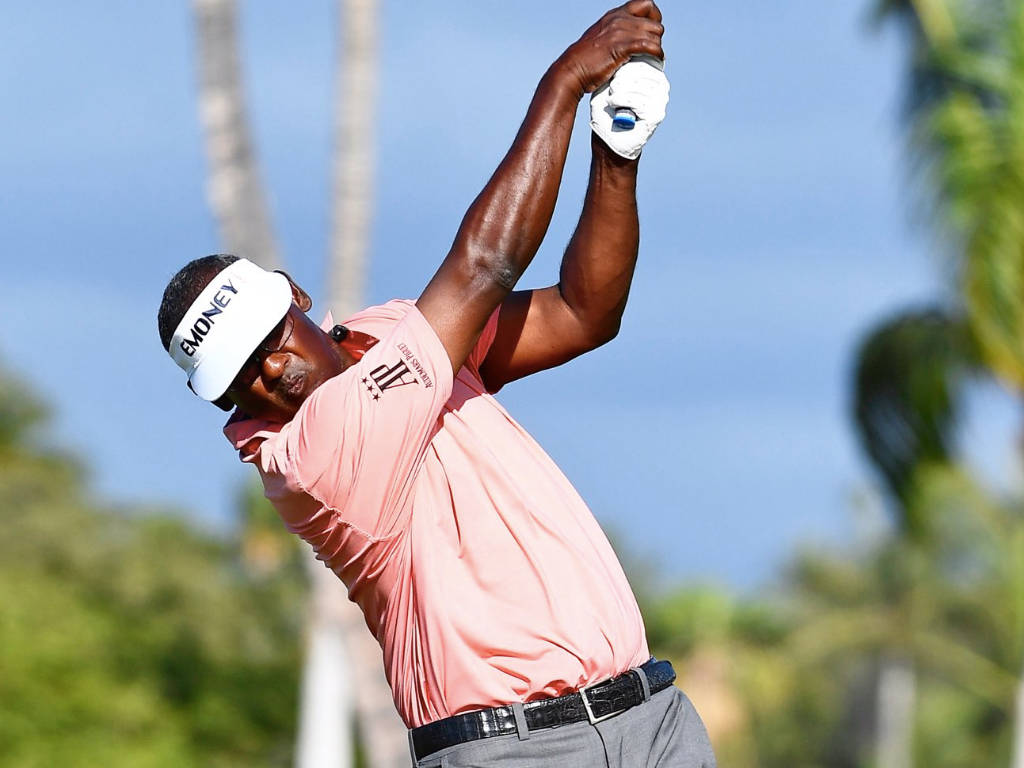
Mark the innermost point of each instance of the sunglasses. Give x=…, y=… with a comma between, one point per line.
x=250, y=370
x=272, y=342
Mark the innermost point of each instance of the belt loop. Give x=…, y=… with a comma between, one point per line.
x=520, y=716
x=645, y=684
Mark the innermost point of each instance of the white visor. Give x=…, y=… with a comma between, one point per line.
x=233, y=314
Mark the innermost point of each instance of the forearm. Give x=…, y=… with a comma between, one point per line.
x=598, y=264
x=505, y=225
x=508, y=220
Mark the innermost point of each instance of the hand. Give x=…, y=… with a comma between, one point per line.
x=641, y=87
x=634, y=28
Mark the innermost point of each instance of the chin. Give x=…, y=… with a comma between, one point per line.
x=312, y=380
x=295, y=388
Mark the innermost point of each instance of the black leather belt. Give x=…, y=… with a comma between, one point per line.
x=594, y=703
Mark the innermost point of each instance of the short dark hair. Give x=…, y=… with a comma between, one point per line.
x=184, y=288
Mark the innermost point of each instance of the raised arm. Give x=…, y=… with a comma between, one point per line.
x=543, y=328
x=506, y=223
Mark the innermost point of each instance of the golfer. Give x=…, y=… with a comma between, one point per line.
x=510, y=635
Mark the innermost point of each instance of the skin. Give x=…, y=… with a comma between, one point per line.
x=500, y=235
x=287, y=377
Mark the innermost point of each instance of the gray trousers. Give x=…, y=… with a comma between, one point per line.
x=664, y=732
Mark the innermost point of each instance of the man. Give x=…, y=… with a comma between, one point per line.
x=510, y=635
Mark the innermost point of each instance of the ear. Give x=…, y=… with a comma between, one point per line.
x=299, y=296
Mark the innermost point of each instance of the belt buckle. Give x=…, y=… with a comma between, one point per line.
x=594, y=720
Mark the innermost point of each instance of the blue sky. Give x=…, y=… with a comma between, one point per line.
x=712, y=435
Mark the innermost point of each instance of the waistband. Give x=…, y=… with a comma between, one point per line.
x=594, y=703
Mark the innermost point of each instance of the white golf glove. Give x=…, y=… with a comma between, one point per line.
x=641, y=86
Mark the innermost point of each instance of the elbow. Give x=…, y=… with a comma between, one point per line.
x=609, y=332
x=601, y=333
x=492, y=269
x=504, y=274
x=593, y=325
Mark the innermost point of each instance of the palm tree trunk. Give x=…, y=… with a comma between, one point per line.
x=897, y=683
x=324, y=739
x=354, y=135
x=1018, y=727
x=382, y=732
x=233, y=183
x=239, y=205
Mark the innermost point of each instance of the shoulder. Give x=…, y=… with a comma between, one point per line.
x=381, y=318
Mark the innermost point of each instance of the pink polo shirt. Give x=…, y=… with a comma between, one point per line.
x=480, y=570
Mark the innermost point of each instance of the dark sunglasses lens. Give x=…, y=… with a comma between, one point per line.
x=277, y=337
x=247, y=375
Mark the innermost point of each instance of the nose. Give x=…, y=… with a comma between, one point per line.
x=273, y=366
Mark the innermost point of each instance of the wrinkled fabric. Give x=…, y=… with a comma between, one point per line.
x=479, y=569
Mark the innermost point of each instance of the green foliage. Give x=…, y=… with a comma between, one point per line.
x=791, y=680
x=966, y=113
x=130, y=638
x=908, y=381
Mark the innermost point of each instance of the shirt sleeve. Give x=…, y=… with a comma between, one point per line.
x=358, y=442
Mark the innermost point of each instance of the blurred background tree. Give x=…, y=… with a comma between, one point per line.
x=129, y=637
x=913, y=641
x=965, y=109
x=343, y=675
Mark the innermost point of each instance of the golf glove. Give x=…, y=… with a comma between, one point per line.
x=640, y=85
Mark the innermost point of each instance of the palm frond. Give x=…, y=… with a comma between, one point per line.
x=907, y=392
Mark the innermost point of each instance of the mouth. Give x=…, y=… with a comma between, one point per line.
x=293, y=386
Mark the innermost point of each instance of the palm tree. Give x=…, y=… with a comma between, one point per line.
x=238, y=202
x=908, y=383
x=966, y=110
x=344, y=661
x=907, y=386
x=233, y=183
x=354, y=149
x=981, y=550
x=382, y=732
